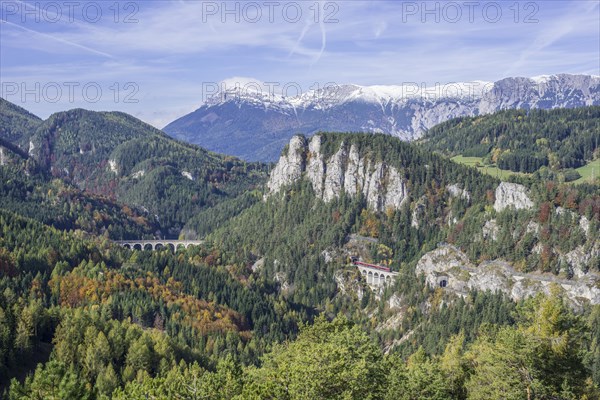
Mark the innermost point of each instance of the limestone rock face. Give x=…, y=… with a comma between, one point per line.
x=334, y=176
x=112, y=165
x=290, y=165
x=456, y=191
x=417, y=213
x=577, y=259
x=490, y=229
x=315, y=169
x=31, y=150
x=354, y=172
x=446, y=263
x=371, y=189
x=396, y=190
x=451, y=266
x=344, y=172
x=512, y=195
x=257, y=266
x=347, y=283
x=282, y=279
x=395, y=301
x=533, y=227
x=491, y=276
x=584, y=224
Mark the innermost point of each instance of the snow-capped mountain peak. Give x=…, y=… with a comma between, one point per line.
x=262, y=117
x=256, y=92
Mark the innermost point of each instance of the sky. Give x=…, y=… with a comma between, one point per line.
x=159, y=60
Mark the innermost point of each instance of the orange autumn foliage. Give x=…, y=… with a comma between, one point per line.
x=205, y=317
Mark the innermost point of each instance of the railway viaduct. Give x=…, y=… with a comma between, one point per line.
x=157, y=244
x=375, y=275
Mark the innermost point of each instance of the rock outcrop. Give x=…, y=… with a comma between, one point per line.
x=334, y=175
x=32, y=149
x=290, y=166
x=417, y=213
x=577, y=259
x=490, y=230
x=348, y=283
x=456, y=191
x=112, y=165
x=344, y=172
x=315, y=169
x=450, y=268
x=584, y=224
x=512, y=195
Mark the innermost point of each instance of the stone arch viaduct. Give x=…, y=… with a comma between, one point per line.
x=157, y=244
x=375, y=275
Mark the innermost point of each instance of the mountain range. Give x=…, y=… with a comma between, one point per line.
x=255, y=124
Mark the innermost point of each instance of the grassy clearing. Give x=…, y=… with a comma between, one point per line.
x=589, y=172
x=492, y=170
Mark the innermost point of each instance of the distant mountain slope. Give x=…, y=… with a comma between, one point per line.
x=16, y=123
x=116, y=155
x=31, y=192
x=9, y=151
x=522, y=141
x=255, y=125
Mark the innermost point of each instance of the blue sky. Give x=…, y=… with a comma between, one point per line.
x=157, y=59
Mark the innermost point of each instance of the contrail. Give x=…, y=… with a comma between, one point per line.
x=61, y=40
x=304, y=30
x=323, y=40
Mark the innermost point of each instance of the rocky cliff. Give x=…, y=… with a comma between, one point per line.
x=450, y=268
x=346, y=171
x=512, y=195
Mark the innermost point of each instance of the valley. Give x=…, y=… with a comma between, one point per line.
x=141, y=263
x=299, y=200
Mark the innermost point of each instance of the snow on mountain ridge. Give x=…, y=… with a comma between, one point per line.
x=262, y=121
x=270, y=93
x=547, y=78
x=258, y=92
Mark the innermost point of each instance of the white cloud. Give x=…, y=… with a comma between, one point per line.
x=171, y=52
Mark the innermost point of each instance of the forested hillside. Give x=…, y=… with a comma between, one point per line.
x=17, y=124
x=293, y=231
x=120, y=157
x=110, y=323
x=29, y=190
x=300, y=241
x=296, y=227
x=270, y=305
x=31, y=193
x=107, y=315
x=117, y=155
x=548, y=141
